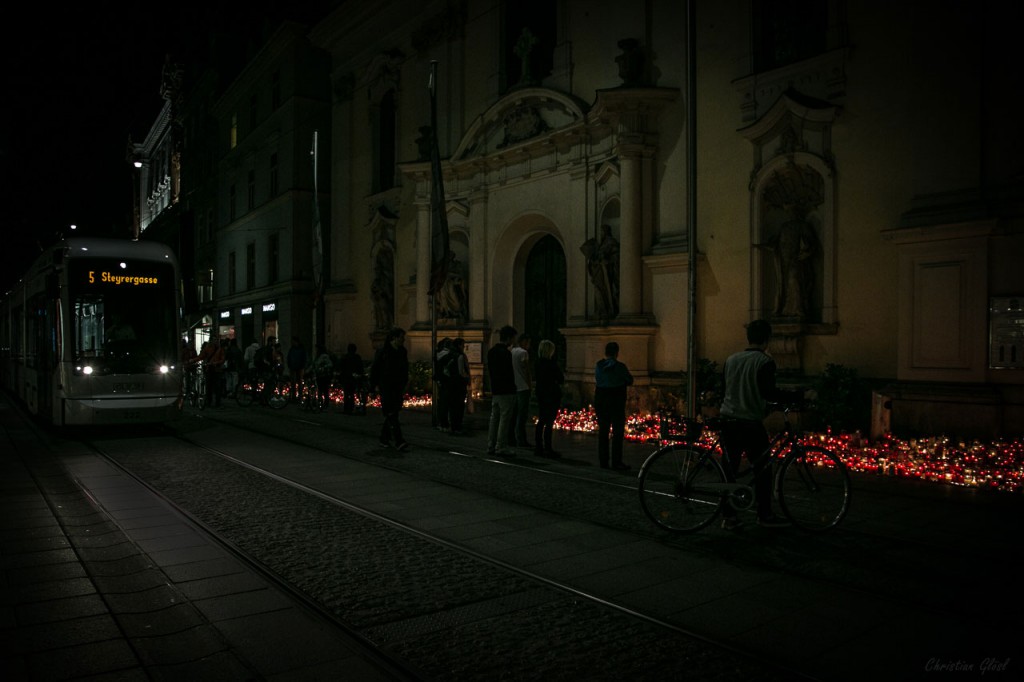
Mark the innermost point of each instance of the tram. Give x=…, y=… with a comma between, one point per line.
x=90, y=335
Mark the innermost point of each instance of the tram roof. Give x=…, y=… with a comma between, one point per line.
x=100, y=247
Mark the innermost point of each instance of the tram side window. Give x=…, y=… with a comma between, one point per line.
x=35, y=330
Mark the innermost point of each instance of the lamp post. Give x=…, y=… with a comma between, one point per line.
x=135, y=157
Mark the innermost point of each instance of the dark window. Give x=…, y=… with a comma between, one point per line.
x=250, y=266
x=788, y=31
x=252, y=190
x=273, y=247
x=273, y=175
x=275, y=90
x=253, y=112
x=231, y=202
x=533, y=50
x=232, y=273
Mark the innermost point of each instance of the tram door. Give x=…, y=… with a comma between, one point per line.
x=545, y=295
x=42, y=349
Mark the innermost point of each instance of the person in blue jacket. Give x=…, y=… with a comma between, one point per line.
x=611, y=377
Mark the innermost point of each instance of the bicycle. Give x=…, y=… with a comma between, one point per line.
x=265, y=389
x=683, y=486
x=193, y=388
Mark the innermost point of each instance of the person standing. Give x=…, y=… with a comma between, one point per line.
x=749, y=385
x=249, y=358
x=549, y=380
x=352, y=375
x=611, y=378
x=503, y=392
x=389, y=375
x=440, y=397
x=232, y=367
x=212, y=358
x=456, y=380
x=524, y=385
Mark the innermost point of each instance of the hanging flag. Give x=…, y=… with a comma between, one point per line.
x=439, y=247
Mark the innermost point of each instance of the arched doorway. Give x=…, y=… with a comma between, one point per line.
x=545, y=294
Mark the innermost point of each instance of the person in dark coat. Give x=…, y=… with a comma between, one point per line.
x=503, y=392
x=548, y=379
x=389, y=376
x=456, y=380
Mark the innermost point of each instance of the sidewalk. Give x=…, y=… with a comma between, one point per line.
x=575, y=447
x=133, y=590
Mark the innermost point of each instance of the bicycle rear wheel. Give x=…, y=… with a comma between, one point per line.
x=681, y=488
x=814, y=488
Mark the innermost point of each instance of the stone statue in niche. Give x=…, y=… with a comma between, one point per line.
x=603, y=267
x=382, y=289
x=794, y=248
x=791, y=196
x=524, y=46
x=452, y=298
x=631, y=63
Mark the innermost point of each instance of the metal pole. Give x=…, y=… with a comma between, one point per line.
x=691, y=194
x=433, y=297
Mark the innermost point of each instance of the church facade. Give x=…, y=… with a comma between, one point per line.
x=841, y=192
x=848, y=171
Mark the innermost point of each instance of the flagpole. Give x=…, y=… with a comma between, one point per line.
x=318, y=248
x=438, y=224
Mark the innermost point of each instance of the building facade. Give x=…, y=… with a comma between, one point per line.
x=841, y=169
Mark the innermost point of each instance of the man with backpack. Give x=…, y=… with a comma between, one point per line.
x=455, y=376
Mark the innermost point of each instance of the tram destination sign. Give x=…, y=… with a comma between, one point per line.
x=102, y=277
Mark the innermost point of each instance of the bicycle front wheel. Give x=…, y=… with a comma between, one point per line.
x=814, y=488
x=278, y=397
x=681, y=488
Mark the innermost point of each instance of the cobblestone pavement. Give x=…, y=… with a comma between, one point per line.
x=905, y=548
x=446, y=613
x=467, y=567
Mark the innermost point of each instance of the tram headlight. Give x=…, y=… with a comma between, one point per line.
x=87, y=370
x=164, y=369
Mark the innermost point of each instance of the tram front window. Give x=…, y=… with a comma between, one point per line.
x=122, y=314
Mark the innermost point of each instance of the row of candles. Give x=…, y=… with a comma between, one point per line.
x=996, y=465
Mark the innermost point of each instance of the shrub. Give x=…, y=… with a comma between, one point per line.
x=844, y=400
x=420, y=378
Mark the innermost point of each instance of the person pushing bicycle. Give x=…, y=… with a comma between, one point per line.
x=749, y=387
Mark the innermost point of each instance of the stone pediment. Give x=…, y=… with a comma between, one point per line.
x=521, y=116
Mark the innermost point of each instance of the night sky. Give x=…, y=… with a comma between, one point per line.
x=76, y=83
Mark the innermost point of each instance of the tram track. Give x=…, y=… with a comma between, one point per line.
x=846, y=559
x=796, y=553
x=489, y=600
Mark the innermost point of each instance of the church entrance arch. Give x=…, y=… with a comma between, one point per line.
x=544, y=294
